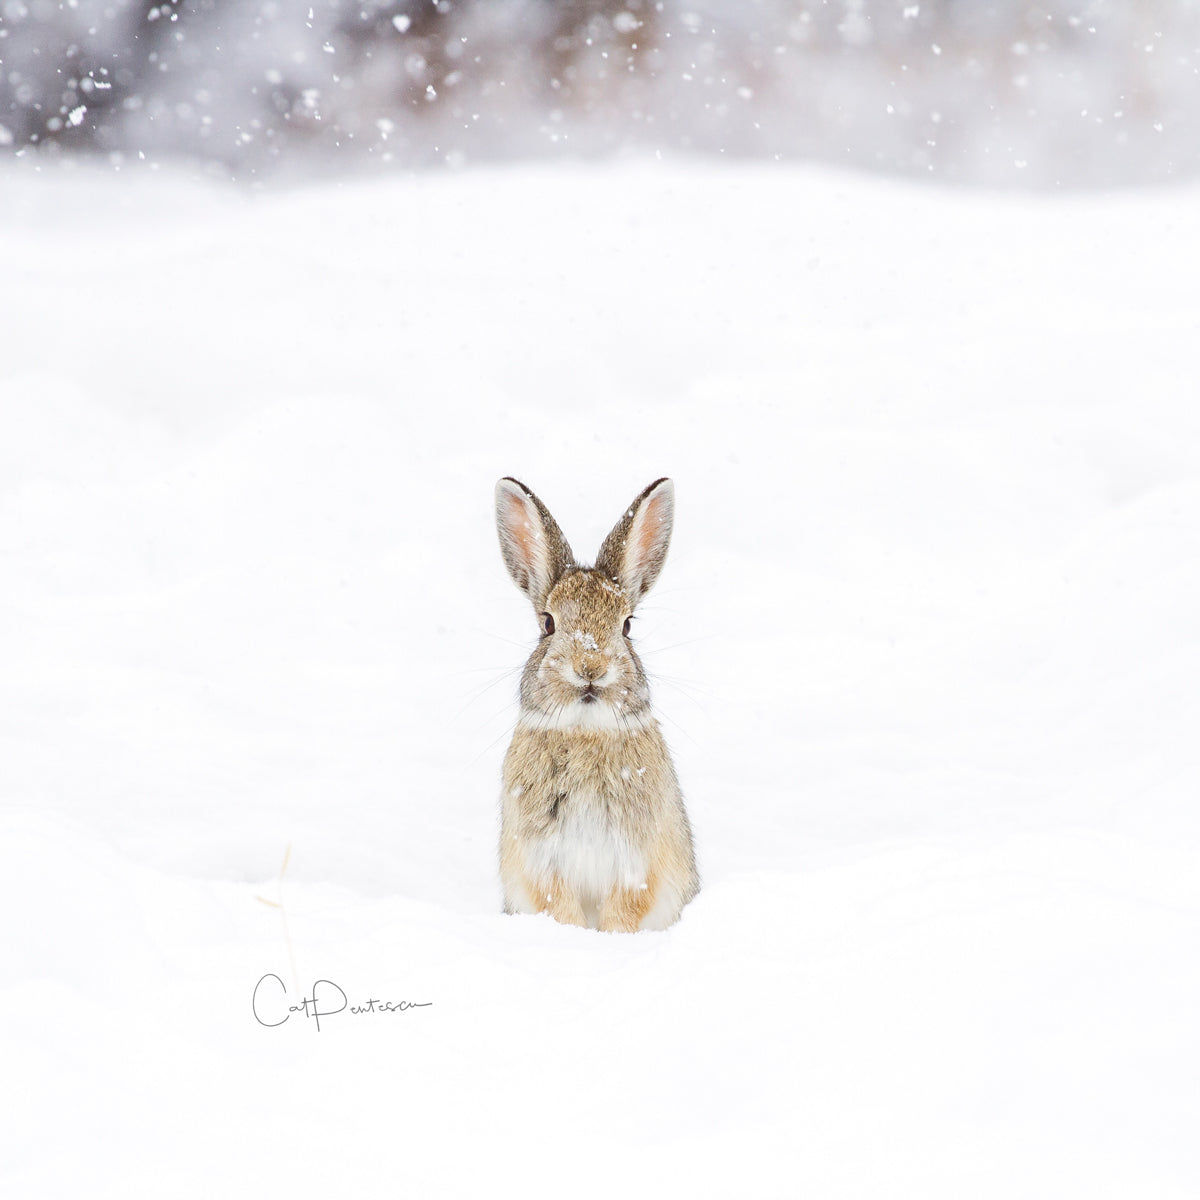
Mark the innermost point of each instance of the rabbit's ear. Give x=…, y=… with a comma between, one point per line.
x=535, y=551
x=634, y=553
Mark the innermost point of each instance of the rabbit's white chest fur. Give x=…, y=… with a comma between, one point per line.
x=586, y=851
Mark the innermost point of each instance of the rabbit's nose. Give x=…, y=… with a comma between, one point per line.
x=591, y=668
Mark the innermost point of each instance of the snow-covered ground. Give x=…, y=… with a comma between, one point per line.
x=926, y=649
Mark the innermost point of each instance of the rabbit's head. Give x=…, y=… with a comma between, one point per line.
x=584, y=671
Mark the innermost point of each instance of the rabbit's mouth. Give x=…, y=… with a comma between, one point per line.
x=589, y=695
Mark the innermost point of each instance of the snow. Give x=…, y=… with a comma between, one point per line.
x=1012, y=95
x=925, y=649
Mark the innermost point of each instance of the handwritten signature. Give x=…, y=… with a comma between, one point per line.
x=327, y=1000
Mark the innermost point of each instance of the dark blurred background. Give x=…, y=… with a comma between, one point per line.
x=1064, y=93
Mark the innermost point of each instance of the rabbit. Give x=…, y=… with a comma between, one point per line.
x=593, y=826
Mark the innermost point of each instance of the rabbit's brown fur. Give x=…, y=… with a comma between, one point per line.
x=593, y=827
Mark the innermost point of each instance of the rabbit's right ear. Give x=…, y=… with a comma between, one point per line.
x=534, y=549
x=634, y=552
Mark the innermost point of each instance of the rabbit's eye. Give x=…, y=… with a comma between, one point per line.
x=547, y=623
x=625, y=629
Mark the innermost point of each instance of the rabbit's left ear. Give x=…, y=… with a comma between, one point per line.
x=634, y=552
x=534, y=549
